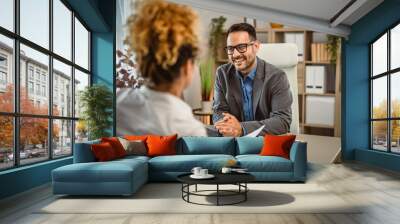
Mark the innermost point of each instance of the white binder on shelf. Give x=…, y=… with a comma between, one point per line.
x=300, y=45
x=298, y=39
x=310, y=79
x=319, y=79
x=315, y=79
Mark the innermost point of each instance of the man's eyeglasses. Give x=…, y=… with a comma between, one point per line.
x=241, y=48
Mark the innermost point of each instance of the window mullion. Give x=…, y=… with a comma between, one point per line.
x=16, y=84
x=389, y=106
x=50, y=81
x=371, y=92
x=73, y=82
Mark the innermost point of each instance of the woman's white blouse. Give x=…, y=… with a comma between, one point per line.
x=145, y=111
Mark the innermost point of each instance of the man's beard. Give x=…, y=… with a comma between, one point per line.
x=243, y=59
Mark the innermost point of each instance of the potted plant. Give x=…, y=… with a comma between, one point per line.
x=96, y=104
x=206, y=78
x=215, y=40
x=207, y=66
x=332, y=47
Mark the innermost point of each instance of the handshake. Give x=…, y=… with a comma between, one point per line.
x=229, y=126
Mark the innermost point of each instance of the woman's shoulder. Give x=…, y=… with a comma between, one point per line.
x=130, y=96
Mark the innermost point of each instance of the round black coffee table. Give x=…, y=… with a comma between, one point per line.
x=238, y=179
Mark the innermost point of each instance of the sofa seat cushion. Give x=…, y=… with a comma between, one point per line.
x=257, y=163
x=185, y=163
x=133, y=158
x=113, y=171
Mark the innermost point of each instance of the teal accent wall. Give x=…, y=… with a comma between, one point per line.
x=99, y=16
x=355, y=96
x=89, y=11
x=103, y=64
x=103, y=53
x=24, y=178
x=103, y=58
x=380, y=159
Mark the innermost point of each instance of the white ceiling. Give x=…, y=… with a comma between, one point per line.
x=321, y=9
x=310, y=14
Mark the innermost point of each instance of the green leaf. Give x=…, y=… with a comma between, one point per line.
x=206, y=77
x=96, y=104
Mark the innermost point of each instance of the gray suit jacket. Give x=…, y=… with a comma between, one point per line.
x=272, y=98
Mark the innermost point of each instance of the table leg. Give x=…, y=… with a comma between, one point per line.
x=217, y=194
x=196, y=188
x=182, y=190
x=245, y=193
x=188, y=192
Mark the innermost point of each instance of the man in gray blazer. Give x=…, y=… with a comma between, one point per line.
x=249, y=92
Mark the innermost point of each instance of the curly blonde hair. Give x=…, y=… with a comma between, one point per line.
x=162, y=36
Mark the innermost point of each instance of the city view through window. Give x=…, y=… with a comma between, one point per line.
x=385, y=91
x=42, y=122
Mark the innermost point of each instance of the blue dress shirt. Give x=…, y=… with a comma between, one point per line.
x=247, y=94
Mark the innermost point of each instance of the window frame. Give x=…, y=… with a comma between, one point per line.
x=388, y=74
x=15, y=68
x=3, y=71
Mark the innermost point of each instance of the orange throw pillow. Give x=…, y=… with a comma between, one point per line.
x=103, y=152
x=161, y=145
x=116, y=145
x=136, y=137
x=275, y=145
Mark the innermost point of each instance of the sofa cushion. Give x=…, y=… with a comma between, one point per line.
x=116, y=145
x=257, y=163
x=103, y=152
x=132, y=158
x=136, y=137
x=249, y=145
x=161, y=145
x=277, y=145
x=206, y=145
x=185, y=163
x=134, y=147
x=112, y=171
x=83, y=152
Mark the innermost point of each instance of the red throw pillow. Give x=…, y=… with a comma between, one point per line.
x=116, y=145
x=103, y=151
x=277, y=145
x=161, y=145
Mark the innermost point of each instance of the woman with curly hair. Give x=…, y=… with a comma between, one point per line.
x=162, y=37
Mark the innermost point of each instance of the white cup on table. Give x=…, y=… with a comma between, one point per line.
x=196, y=171
x=203, y=172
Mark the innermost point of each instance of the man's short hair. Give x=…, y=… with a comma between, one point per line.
x=243, y=27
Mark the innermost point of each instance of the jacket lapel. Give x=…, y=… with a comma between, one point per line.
x=237, y=92
x=258, y=84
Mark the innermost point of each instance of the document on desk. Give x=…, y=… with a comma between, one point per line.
x=255, y=133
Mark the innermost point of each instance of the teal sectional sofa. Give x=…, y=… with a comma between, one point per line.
x=125, y=176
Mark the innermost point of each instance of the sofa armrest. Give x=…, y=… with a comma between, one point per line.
x=298, y=155
x=83, y=152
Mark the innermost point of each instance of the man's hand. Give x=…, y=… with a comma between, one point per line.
x=229, y=126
